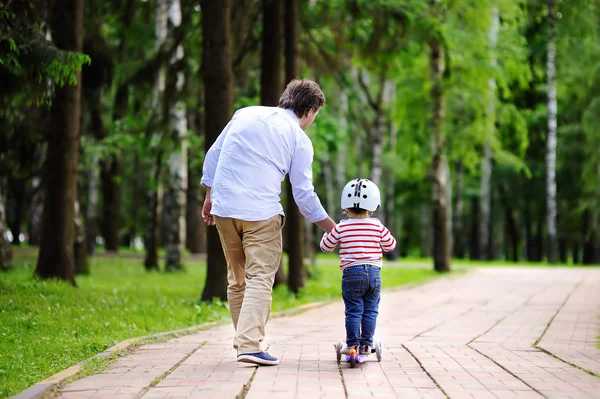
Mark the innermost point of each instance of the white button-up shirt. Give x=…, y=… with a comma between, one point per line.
x=249, y=160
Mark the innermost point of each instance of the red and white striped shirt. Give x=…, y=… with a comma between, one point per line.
x=361, y=241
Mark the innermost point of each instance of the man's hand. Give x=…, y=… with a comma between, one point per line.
x=206, y=216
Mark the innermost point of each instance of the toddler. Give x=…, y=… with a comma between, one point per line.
x=361, y=239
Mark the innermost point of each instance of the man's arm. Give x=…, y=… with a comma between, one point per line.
x=206, y=216
x=303, y=189
x=212, y=158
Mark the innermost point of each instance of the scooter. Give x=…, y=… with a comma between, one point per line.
x=342, y=349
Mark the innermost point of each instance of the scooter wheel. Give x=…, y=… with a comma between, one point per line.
x=353, y=358
x=338, y=350
x=378, y=350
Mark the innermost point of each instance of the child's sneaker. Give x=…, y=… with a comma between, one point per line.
x=360, y=358
x=364, y=350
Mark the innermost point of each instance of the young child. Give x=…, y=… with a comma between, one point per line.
x=361, y=239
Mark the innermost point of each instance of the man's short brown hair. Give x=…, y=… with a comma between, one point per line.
x=302, y=95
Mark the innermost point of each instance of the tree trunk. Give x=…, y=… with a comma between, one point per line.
x=5, y=250
x=217, y=112
x=153, y=224
x=196, y=229
x=439, y=169
x=56, y=251
x=79, y=246
x=92, y=206
x=311, y=246
x=512, y=229
x=590, y=238
x=539, y=238
x=576, y=253
x=94, y=101
x=378, y=134
x=270, y=90
x=486, y=168
x=17, y=189
x=551, y=140
x=563, y=250
x=425, y=231
x=340, y=172
x=329, y=184
x=497, y=236
x=474, y=243
x=389, y=199
x=296, y=224
x=458, y=247
x=195, y=236
x=155, y=197
x=35, y=212
x=528, y=222
x=175, y=197
x=111, y=203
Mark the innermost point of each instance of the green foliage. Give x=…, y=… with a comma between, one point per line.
x=29, y=64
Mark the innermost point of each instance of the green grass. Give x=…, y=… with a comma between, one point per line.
x=47, y=326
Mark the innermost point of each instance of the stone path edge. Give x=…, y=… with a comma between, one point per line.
x=43, y=388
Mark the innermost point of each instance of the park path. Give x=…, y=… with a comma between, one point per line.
x=491, y=333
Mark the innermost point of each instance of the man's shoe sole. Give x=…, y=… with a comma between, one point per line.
x=255, y=360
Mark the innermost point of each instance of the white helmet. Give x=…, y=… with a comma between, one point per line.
x=361, y=193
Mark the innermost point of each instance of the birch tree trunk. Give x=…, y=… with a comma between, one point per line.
x=551, y=140
x=486, y=168
x=439, y=171
x=155, y=191
x=175, y=196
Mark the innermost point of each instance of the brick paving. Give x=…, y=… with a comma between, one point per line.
x=492, y=333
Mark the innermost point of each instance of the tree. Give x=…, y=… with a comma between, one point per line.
x=5, y=250
x=175, y=196
x=486, y=168
x=439, y=166
x=551, y=140
x=295, y=220
x=271, y=87
x=56, y=249
x=159, y=121
x=217, y=79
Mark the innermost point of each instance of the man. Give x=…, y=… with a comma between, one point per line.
x=243, y=172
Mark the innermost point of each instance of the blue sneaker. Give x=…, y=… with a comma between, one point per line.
x=262, y=358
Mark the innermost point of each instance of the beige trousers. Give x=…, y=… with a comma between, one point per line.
x=253, y=253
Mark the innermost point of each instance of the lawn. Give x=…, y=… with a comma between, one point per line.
x=47, y=326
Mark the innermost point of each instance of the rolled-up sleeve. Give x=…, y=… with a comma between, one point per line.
x=302, y=186
x=212, y=158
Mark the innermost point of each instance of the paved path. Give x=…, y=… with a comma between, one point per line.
x=493, y=333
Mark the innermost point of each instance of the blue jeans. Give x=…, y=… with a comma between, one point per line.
x=361, y=290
